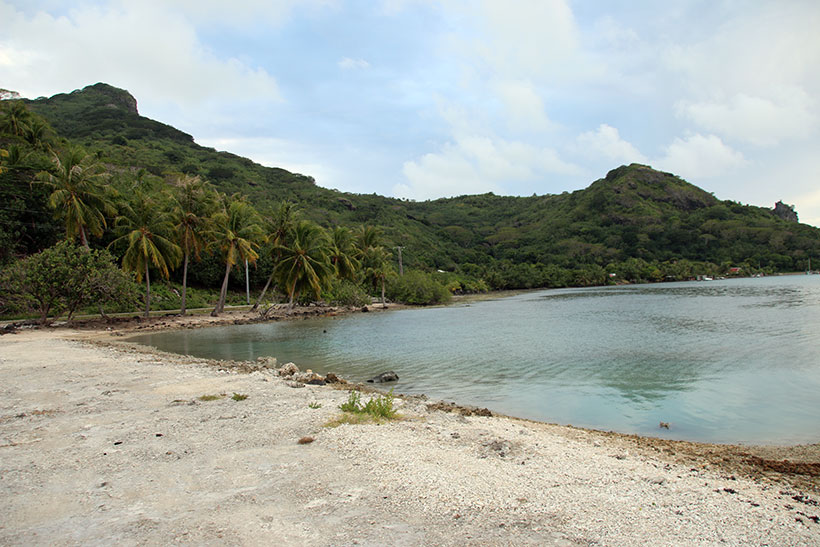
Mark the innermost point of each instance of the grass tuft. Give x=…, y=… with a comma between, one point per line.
x=211, y=397
x=239, y=397
x=376, y=409
x=315, y=405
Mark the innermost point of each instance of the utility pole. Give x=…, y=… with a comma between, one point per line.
x=247, y=284
x=401, y=267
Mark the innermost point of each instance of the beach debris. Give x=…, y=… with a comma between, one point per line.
x=445, y=406
x=664, y=425
x=267, y=362
x=295, y=384
x=331, y=378
x=389, y=376
x=497, y=447
x=309, y=377
x=306, y=440
x=288, y=369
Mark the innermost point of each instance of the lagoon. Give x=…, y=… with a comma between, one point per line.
x=720, y=361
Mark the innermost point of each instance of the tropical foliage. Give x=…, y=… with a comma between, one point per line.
x=147, y=236
x=64, y=279
x=236, y=233
x=87, y=168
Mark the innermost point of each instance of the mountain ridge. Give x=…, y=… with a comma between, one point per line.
x=632, y=213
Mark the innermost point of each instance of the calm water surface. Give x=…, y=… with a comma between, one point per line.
x=722, y=361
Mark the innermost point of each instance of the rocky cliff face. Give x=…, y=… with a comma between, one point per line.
x=786, y=212
x=110, y=97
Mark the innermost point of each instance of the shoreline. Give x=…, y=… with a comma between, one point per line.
x=800, y=462
x=110, y=333
x=104, y=441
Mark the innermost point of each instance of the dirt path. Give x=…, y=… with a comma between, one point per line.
x=100, y=445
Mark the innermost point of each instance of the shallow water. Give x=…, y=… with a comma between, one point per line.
x=721, y=361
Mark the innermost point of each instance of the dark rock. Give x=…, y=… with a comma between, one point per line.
x=384, y=377
x=364, y=309
x=786, y=212
x=333, y=379
x=316, y=382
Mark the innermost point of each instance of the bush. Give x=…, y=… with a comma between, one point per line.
x=346, y=293
x=378, y=407
x=65, y=278
x=417, y=288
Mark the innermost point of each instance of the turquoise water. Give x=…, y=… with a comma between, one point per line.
x=721, y=361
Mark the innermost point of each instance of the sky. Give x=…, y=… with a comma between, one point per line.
x=422, y=99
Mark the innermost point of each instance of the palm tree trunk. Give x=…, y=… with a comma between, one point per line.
x=147, y=292
x=184, y=282
x=220, y=305
x=83, y=238
x=292, y=294
x=264, y=290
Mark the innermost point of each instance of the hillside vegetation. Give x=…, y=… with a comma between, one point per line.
x=636, y=222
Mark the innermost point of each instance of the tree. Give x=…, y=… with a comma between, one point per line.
x=237, y=232
x=279, y=228
x=377, y=268
x=193, y=201
x=343, y=253
x=65, y=278
x=147, y=232
x=78, y=197
x=305, y=263
x=15, y=119
x=368, y=237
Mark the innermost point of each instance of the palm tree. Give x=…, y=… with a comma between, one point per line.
x=147, y=229
x=378, y=268
x=343, y=253
x=236, y=231
x=78, y=196
x=193, y=201
x=15, y=119
x=37, y=132
x=279, y=228
x=368, y=237
x=305, y=263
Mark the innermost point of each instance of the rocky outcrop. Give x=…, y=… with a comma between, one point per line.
x=786, y=212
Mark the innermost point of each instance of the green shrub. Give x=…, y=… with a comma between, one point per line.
x=353, y=403
x=377, y=407
x=346, y=293
x=381, y=406
x=417, y=288
x=65, y=278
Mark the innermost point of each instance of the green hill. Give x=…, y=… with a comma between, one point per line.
x=636, y=221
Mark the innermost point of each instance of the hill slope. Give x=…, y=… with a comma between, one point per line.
x=634, y=213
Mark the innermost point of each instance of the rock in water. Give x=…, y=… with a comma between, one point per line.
x=384, y=377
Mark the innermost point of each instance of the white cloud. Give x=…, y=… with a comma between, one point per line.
x=527, y=38
x=270, y=12
x=606, y=142
x=698, y=156
x=524, y=109
x=757, y=120
x=346, y=63
x=110, y=44
x=478, y=164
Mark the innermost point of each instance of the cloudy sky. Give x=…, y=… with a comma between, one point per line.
x=430, y=98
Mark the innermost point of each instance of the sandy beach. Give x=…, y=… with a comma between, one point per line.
x=102, y=442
